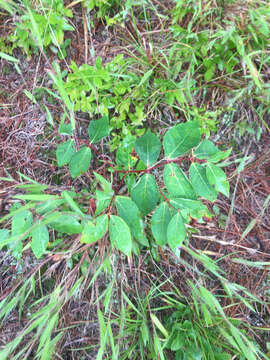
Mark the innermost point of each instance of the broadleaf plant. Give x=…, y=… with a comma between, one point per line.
x=148, y=213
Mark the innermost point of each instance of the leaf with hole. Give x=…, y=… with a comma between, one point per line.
x=98, y=129
x=176, y=231
x=177, y=183
x=40, y=240
x=80, y=162
x=200, y=183
x=148, y=148
x=181, y=138
x=95, y=229
x=129, y=212
x=145, y=193
x=217, y=177
x=160, y=220
x=120, y=235
x=64, y=152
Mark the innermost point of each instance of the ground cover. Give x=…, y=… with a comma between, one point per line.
x=134, y=180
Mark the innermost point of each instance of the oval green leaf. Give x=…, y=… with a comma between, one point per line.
x=160, y=220
x=120, y=235
x=176, y=231
x=80, y=162
x=129, y=212
x=181, y=138
x=177, y=183
x=64, y=152
x=40, y=240
x=95, y=230
x=200, y=183
x=145, y=193
x=66, y=223
x=148, y=148
x=98, y=129
x=217, y=177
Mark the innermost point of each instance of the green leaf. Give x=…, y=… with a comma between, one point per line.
x=80, y=162
x=160, y=220
x=98, y=129
x=66, y=223
x=181, y=138
x=200, y=183
x=120, y=235
x=95, y=230
x=217, y=177
x=21, y=222
x=176, y=231
x=129, y=212
x=106, y=185
x=64, y=152
x=40, y=240
x=177, y=183
x=72, y=204
x=4, y=235
x=191, y=208
x=207, y=150
x=148, y=148
x=145, y=193
x=103, y=201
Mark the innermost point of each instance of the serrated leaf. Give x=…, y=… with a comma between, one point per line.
x=129, y=212
x=160, y=221
x=176, y=231
x=120, y=235
x=80, y=162
x=145, y=193
x=148, y=148
x=95, y=230
x=64, y=152
x=98, y=129
x=66, y=223
x=217, y=177
x=181, y=138
x=200, y=183
x=177, y=183
x=40, y=240
x=103, y=201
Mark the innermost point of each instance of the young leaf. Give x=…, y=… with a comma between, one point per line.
x=191, y=208
x=181, y=138
x=98, y=129
x=145, y=193
x=129, y=212
x=80, y=162
x=176, y=231
x=160, y=221
x=64, y=152
x=92, y=232
x=148, y=148
x=120, y=235
x=217, y=177
x=66, y=223
x=40, y=240
x=200, y=182
x=177, y=183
